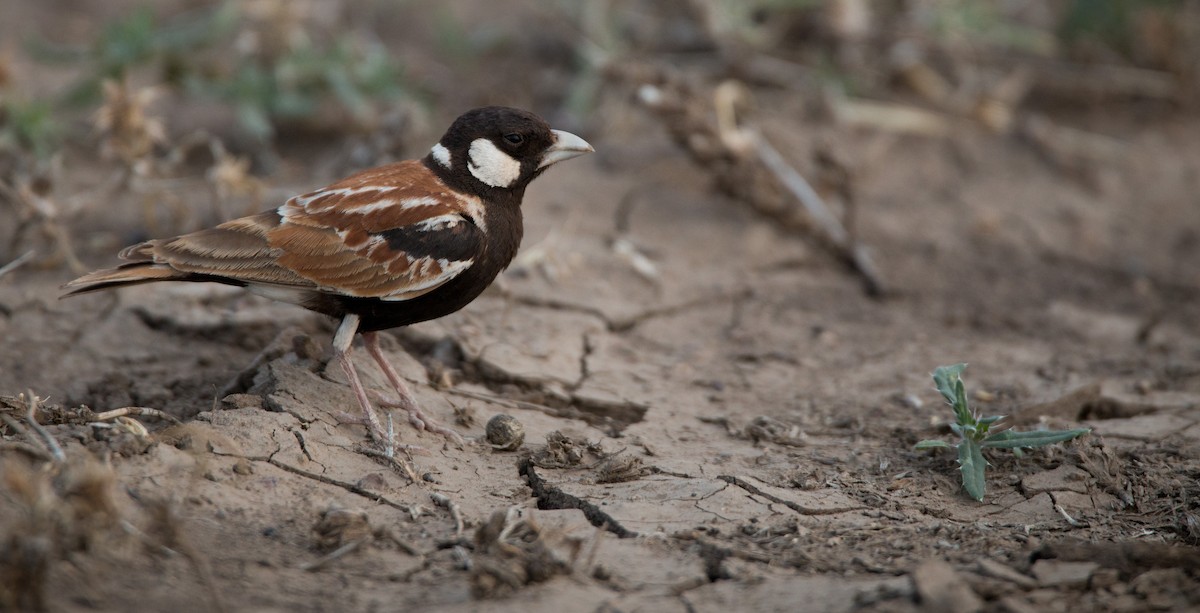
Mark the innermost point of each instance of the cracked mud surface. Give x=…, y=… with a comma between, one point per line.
x=738, y=431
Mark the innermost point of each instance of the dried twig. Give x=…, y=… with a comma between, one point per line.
x=334, y=555
x=17, y=263
x=404, y=467
x=445, y=502
x=747, y=166
x=52, y=445
x=142, y=411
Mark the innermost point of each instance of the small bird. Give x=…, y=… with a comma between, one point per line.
x=382, y=248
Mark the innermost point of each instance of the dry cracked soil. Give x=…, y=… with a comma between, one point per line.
x=715, y=416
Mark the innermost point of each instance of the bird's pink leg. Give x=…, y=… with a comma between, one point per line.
x=342, y=340
x=405, y=401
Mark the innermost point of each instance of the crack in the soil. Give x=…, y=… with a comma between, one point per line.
x=624, y=324
x=304, y=448
x=588, y=349
x=797, y=507
x=349, y=487
x=612, y=417
x=552, y=498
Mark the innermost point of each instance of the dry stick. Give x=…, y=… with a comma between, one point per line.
x=405, y=468
x=444, y=501
x=17, y=263
x=854, y=252
x=726, y=98
x=143, y=411
x=737, y=155
x=340, y=552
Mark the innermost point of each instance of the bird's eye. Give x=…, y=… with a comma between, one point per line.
x=514, y=138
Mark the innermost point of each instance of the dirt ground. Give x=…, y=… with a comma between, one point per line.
x=731, y=429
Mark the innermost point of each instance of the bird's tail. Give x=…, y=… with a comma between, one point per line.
x=127, y=274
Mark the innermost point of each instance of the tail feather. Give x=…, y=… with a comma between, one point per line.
x=128, y=274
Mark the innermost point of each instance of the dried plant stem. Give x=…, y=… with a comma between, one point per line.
x=405, y=467
x=333, y=556
x=143, y=411
x=745, y=165
x=52, y=445
x=17, y=263
x=852, y=251
x=445, y=502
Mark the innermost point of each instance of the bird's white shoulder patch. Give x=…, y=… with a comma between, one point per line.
x=491, y=165
x=441, y=155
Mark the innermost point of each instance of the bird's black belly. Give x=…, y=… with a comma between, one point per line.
x=376, y=314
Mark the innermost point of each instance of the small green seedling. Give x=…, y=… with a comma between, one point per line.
x=977, y=433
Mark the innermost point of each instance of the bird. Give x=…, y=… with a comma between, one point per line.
x=382, y=248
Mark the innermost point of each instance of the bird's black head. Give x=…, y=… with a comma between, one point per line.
x=500, y=148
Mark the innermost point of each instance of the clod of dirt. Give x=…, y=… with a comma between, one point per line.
x=512, y=552
x=943, y=590
x=505, y=432
x=564, y=450
x=338, y=527
x=620, y=468
x=464, y=416
x=47, y=414
x=120, y=438
x=763, y=428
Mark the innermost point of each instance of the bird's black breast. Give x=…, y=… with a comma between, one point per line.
x=460, y=241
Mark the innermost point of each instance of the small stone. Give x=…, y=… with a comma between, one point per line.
x=242, y=467
x=505, y=432
x=373, y=482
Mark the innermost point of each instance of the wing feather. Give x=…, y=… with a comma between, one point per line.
x=392, y=233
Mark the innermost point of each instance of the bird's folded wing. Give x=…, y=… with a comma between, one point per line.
x=392, y=236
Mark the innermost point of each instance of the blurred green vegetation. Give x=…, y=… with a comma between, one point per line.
x=28, y=125
x=204, y=53
x=1111, y=23
x=285, y=67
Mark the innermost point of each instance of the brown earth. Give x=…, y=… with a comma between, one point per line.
x=732, y=429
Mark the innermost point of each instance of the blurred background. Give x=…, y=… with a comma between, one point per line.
x=140, y=102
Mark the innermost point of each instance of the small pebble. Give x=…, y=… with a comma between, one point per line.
x=504, y=432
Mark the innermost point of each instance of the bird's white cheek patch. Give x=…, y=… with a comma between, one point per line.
x=441, y=155
x=491, y=165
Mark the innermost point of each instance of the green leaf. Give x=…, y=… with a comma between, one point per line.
x=944, y=378
x=1038, y=438
x=990, y=419
x=961, y=408
x=933, y=444
x=972, y=465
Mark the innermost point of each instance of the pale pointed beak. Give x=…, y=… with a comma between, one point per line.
x=565, y=147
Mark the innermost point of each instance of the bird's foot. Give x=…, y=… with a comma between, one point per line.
x=364, y=419
x=417, y=418
x=383, y=437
